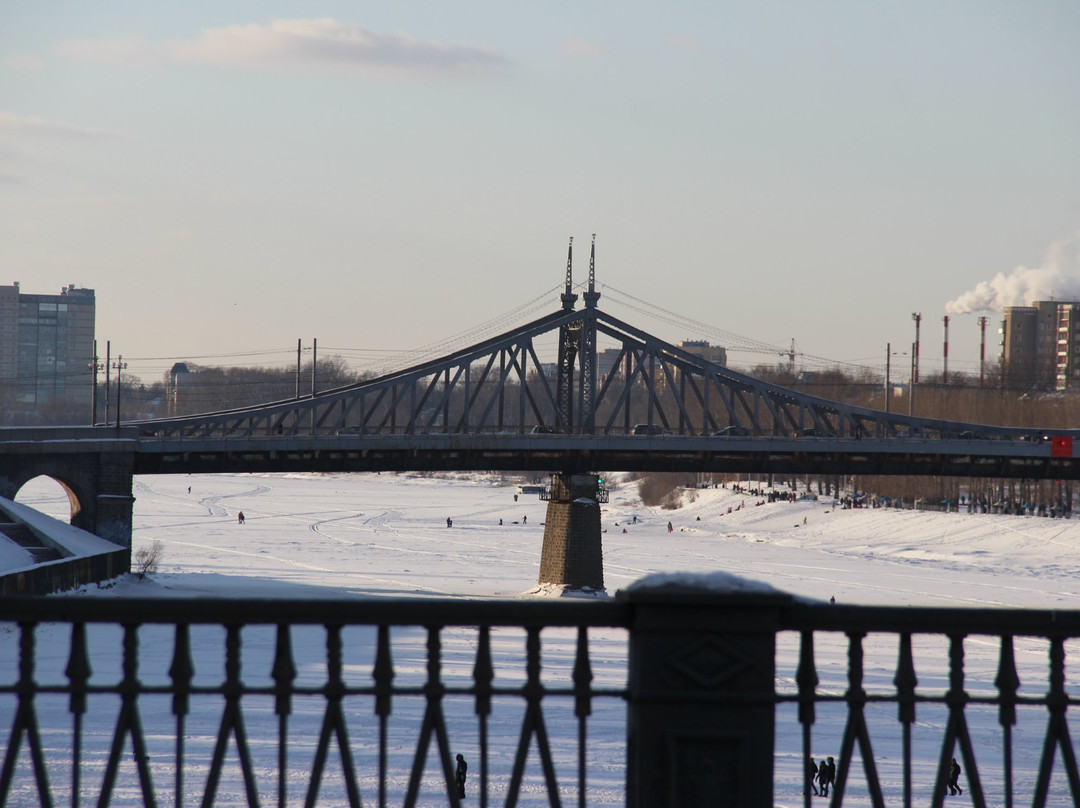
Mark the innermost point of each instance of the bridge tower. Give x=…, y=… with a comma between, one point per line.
x=569, y=343
x=572, y=555
x=587, y=403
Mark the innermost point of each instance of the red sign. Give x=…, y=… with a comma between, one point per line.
x=1061, y=446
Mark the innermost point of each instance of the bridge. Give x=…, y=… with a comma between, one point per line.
x=640, y=404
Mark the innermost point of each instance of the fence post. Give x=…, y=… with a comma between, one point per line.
x=700, y=691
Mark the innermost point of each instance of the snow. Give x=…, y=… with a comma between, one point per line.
x=70, y=541
x=385, y=536
x=716, y=583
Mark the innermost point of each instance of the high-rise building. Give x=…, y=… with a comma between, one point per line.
x=1067, y=360
x=710, y=353
x=1040, y=345
x=47, y=347
x=615, y=361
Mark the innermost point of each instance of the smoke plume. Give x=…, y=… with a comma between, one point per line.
x=1057, y=279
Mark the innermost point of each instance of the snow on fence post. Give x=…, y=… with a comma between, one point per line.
x=700, y=691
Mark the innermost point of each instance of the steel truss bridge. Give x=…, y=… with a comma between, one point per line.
x=643, y=404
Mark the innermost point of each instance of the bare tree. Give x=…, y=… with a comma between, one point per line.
x=147, y=558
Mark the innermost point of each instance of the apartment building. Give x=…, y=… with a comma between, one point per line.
x=606, y=359
x=1040, y=345
x=46, y=347
x=710, y=353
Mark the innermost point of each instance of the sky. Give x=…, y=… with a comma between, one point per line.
x=232, y=177
x=365, y=535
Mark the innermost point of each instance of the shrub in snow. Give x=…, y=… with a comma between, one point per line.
x=147, y=558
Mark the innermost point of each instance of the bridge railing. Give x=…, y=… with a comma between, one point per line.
x=680, y=689
x=1024, y=441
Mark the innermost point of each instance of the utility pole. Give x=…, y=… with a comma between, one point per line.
x=298, y=368
x=108, y=348
x=95, y=366
x=314, y=364
x=911, y=381
x=917, y=317
x=888, y=367
x=982, y=350
x=118, y=365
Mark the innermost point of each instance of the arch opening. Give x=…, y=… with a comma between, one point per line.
x=50, y=497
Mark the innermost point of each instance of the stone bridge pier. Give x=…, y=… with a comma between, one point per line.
x=98, y=486
x=572, y=555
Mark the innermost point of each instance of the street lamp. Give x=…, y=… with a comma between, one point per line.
x=889, y=354
x=314, y=362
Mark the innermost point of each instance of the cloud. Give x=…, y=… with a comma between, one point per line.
x=25, y=139
x=582, y=47
x=131, y=52
x=23, y=63
x=1057, y=279
x=14, y=124
x=690, y=43
x=301, y=44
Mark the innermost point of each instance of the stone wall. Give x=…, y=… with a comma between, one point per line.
x=572, y=555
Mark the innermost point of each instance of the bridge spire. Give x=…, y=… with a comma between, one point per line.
x=592, y=295
x=568, y=297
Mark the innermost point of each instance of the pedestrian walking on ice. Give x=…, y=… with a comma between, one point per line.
x=525, y=519
x=240, y=517
x=954, y=778
x=826, y=775
x=459, y=776
x=449, y=522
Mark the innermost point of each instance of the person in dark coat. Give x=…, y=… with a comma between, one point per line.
x=826, y=775
x=812, y=774
x=459, y=775
x=954, y=777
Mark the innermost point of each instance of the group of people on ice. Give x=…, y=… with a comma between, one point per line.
x=823, y=777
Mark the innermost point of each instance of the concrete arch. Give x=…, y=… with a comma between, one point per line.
x=75, y=505
x=98, y=486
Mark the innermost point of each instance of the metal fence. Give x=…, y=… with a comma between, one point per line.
x=680, y=691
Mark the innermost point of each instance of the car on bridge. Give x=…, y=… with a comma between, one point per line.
x=733, y=431
x=648, y=429
x=353, y=430
x=543, y=430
